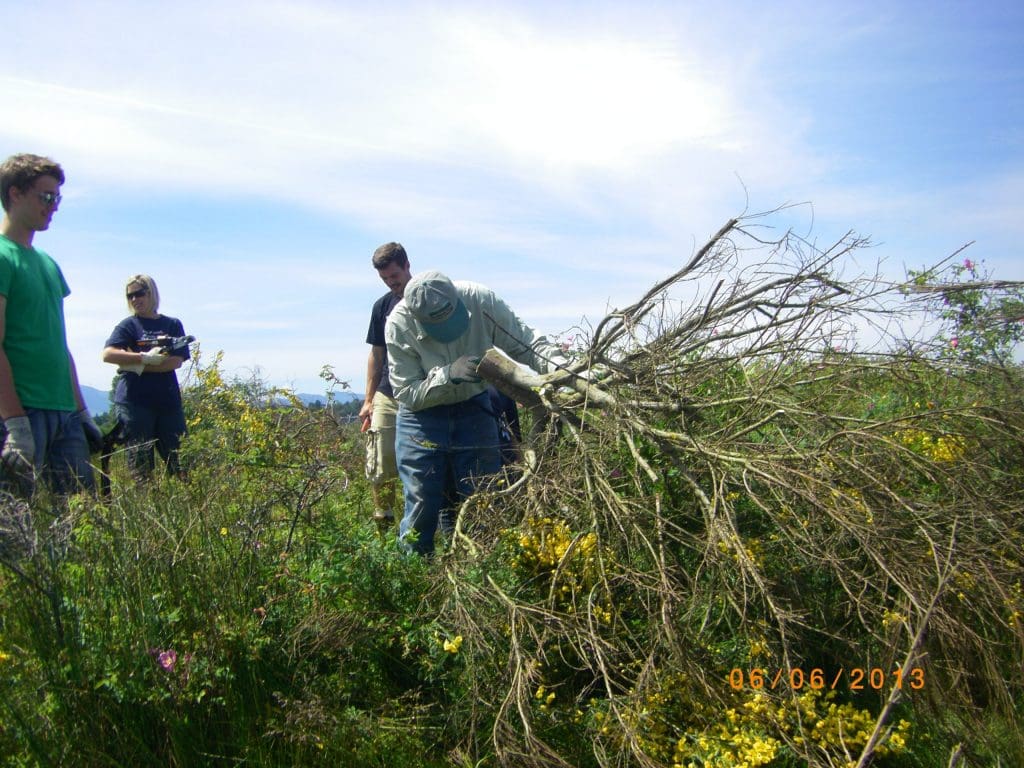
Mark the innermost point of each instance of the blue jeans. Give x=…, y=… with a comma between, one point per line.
x=443, y=453
x=62, y=453
x=148, y=427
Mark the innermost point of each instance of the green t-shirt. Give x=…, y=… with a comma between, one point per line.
x=34, y=339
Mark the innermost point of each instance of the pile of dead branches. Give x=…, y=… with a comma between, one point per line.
x=727, y=483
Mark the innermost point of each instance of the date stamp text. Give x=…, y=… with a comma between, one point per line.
x=817, y=679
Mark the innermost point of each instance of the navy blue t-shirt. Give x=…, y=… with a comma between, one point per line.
x=152, y=390
x=375, y=336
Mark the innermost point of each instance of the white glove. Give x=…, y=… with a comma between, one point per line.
x=150, y=357
x=154, y=356
x=20, y=448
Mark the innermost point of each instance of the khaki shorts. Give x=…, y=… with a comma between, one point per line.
x=380, y=440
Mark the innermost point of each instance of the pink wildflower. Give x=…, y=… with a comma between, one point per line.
x=167, y=660
x=954, y=342
x=968, y=264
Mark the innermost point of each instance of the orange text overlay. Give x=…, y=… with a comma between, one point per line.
x=854, y=678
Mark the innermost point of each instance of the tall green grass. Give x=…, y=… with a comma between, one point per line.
x=253, y=614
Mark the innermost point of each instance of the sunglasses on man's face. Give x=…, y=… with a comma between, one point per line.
x=50, y=198
x=136, y=294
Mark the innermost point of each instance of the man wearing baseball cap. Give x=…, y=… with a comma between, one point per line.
x=447, y=433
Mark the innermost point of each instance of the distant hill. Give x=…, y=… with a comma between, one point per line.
x=339, y=397
x=98, y=401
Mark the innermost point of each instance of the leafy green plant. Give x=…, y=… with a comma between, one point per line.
x=983, y=319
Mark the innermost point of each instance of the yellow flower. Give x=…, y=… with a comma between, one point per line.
x=893, y=617
x=452, y=646
x=223, y=531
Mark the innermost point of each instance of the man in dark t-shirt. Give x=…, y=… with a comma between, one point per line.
x=380, y=407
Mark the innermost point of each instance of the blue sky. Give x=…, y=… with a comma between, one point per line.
x=251, y=155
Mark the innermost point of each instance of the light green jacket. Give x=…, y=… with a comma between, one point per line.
x=418, y=364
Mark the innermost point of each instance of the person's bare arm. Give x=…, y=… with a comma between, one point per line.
x=374, y=373
x=125, y=357
x=171, y=363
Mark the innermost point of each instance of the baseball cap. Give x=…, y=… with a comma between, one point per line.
x=432, y=299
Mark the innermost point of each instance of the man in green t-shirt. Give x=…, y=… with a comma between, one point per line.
x=48, y=429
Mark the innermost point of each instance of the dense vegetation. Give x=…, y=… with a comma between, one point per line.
x=738, y=544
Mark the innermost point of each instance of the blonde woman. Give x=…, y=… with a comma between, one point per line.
x=147, y=399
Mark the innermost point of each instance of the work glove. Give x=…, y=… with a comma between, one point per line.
x=137, y=368
x=19, y=449
x=93, y=435
x=463, y=370
x=150, y=357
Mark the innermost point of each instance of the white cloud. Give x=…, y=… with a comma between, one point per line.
x=568, y=158
x=559, y=102
x=191, y=89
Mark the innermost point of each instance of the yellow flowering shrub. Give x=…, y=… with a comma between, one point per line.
x=248, y=428
x=742, y=739
x=940, y=448
x=546, y=541
x=841, y=730
x=544, y=697
x=643, y=721
x=650, y=716
x=545, y=551
x=1015, y=605
x=852, y=500
x=754, y=732
x=452, y=646
x=228, y=419
x=741, y=548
